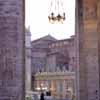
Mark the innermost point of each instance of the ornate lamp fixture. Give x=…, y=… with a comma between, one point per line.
x=56, y=13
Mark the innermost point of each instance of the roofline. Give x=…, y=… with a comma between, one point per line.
x=62, y=40
x=41, y=38
x=72, y=37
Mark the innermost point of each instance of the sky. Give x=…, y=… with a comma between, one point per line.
x=37, y=12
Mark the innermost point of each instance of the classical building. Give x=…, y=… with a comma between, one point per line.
x=61, y=55
x=53, y=66
x=50, y=54
x=40, y=49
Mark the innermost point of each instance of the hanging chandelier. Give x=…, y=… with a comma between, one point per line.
x=56, y=12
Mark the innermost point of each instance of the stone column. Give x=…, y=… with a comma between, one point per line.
x=98, y=29
x=87, y=48
x=52, y=84
x=12, y=50
x=64, y=88
x=38, y=83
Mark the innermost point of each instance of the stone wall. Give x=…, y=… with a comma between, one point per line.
x=11, y=49
x=87, y=47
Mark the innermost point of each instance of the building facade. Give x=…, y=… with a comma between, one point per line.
x=40, y=49
x=59, y=84
x=62, y=55
x=50, y=54
x=53, y=66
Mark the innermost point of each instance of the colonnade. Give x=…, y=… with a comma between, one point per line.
x=61, y=85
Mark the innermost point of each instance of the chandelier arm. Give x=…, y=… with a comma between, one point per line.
x=57, y=14
x=50, y=7
x=63, y=9
x=55, y=6
x=58, y=7
x=62, y=5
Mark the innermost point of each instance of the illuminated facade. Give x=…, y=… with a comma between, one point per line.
x=60, y=84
